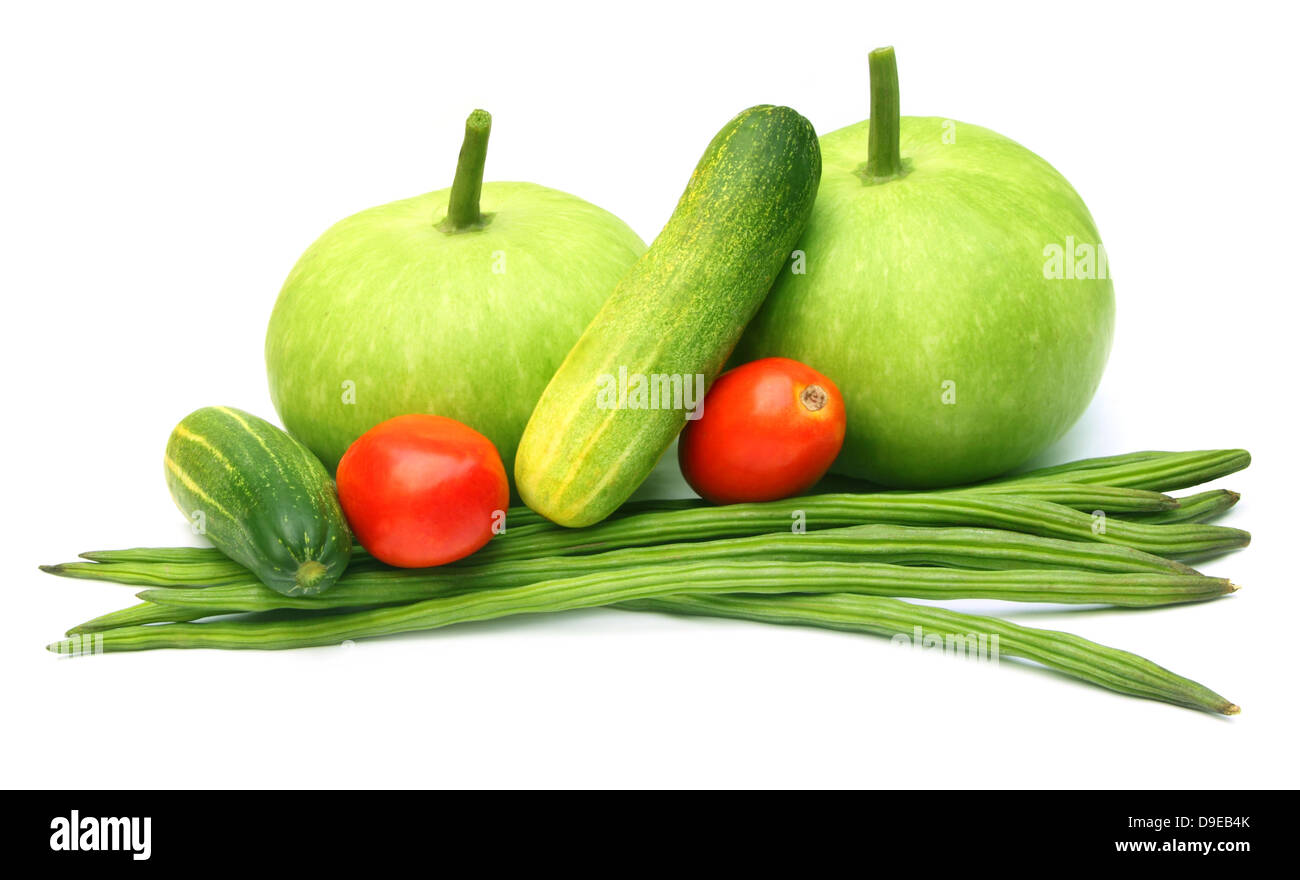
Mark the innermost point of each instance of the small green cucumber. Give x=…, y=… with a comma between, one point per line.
x=260, y=497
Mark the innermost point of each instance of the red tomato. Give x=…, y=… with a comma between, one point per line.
x=770, y=429
x=422, y=490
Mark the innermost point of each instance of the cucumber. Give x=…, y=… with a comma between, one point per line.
x=260, y=497
x=613, y=407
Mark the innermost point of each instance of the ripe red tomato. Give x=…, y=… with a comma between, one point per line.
x=770, y=429
x=422, y=490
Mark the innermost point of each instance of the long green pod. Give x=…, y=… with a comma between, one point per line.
x=873, y=578
x=962, y=548
x=1123, y=459
x=1184, y=540
x=200, y=573
x=140, y=614
x=1157, y=471
x=602, y=423
x=1200, y=507
x=161, y=555
x=1080, y=496
x=1072, y=655
x=605, y=588
x=1075, y=656
x=1072, y=587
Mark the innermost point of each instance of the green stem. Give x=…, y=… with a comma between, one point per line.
x=884, y=158
x=463, y=207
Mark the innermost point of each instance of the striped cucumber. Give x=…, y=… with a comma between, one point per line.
x=260, y=497
x=642, y=365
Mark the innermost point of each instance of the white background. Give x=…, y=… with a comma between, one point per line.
x=163, y=168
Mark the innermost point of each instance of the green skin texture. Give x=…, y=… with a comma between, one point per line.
x=938, y=276
x=419, y=320
x=266, y=501
x=678, y=311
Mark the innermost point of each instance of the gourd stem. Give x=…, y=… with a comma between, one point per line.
x=884, y=160
x=463, y=206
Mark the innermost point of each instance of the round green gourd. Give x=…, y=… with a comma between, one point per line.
x=928, y=295
x=460, y=303
x=260, y=497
